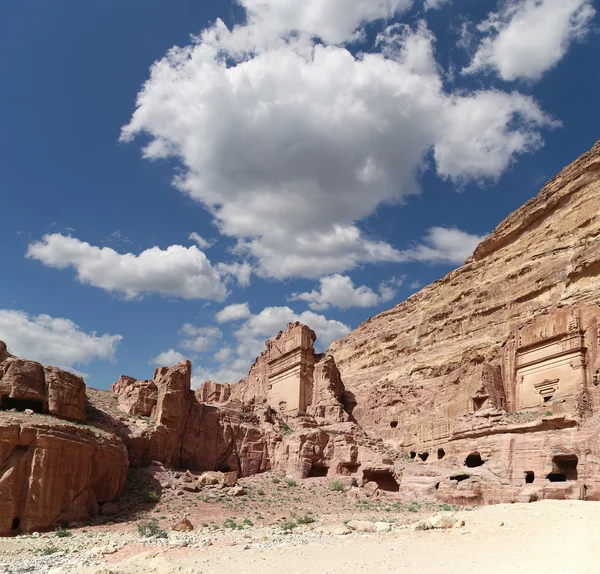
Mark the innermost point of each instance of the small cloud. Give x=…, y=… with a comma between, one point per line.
x=233, y=312
x=168, y=358
x=200, y=241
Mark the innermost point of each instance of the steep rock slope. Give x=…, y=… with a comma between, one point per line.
x=418, y=362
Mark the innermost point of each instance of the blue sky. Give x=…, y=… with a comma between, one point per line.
x=291, y=159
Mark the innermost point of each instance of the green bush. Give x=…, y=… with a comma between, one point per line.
x=291, y=482
x=152, y=496
x=148, y=528
x=49, y=550
x=306, y=519
x=289, y=525
x=338, y=486
x=62, y=532
x=276, y=480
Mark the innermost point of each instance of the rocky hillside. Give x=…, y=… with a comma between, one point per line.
x=418, y=362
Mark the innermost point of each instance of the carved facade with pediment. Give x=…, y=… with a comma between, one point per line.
x=551, y=360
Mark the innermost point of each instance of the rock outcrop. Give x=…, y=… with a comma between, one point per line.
x=51, y=470
x=29, y=385
x=301, y=427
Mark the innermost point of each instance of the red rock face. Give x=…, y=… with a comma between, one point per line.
x=137, y=398
x=66, y=394
x=29, y=385
x=50, y=473
x=51, y=470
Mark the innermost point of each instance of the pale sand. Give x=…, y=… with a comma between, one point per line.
x=547, y=537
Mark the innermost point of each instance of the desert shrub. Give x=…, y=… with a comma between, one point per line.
x=289, y=525
x=152, y=496
x=147, y=528
x=276, y=480
x=306, y=519
x=62, y=532
x=291, y=482
x=338, y=486
x=49, y=550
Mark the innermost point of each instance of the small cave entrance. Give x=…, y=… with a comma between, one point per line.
x=529, y=476
x=349, y=468
x=413, y=454
x=423, y=456
x=459, y=477
x=473, y=460
x=564, y=467
x=384, y=479
x=16, y=523
x=394, y=424
x=441, y=453
x=318, y=471
x=7, y=403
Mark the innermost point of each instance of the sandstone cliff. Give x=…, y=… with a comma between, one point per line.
x=477, y=361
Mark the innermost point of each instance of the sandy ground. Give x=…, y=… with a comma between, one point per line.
x=545, y=537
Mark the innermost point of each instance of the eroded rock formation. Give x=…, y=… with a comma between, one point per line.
x=51, y=470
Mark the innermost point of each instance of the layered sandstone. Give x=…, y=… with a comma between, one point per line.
x=512, y=335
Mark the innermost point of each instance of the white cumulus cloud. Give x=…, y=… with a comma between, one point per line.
x=434, y=4
x=339, y=291
x=54, y=340
x=199, y=339
x=233, y=312
x=320, y=137
x=444, y=245
x=334, y=21
x=526, y=38
x=168, y=358
x=258, y=328
x=176, y=271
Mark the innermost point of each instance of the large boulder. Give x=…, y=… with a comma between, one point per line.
x=66, y=394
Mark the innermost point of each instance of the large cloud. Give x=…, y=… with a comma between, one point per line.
x=290, y=145
x=176, y=271
x=53, y=340
x=528, y=37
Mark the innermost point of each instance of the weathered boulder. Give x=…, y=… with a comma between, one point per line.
x=66, y=394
